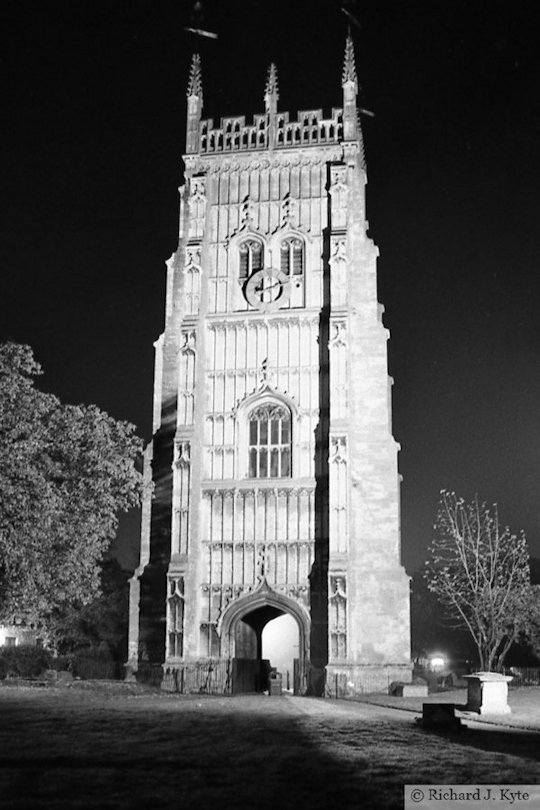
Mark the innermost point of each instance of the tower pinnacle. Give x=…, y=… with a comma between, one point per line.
x=349, y=66
x=194, y=104
x=349, y=82
x=195, y=78
x=271, y=91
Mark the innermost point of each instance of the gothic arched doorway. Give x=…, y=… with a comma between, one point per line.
x=241, y=629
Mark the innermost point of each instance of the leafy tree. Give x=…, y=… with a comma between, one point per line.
x=65, y=473
x=99, y=624
x=481, y=575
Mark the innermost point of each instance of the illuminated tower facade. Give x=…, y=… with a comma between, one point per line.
x=275, y=478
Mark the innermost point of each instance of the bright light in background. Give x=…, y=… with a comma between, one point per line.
x=280, y=644
x=437, y=662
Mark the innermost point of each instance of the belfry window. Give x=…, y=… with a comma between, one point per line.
x=269, y=442
x=251, y=258
x=292, y=264
x=292, y=258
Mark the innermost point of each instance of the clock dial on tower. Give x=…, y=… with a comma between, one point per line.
x=268, y=289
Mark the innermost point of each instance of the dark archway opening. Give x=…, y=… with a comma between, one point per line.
x=251, y=671
x=281, y=646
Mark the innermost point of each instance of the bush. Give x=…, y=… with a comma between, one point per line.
x=62, y=663
x=24, y=661
x=91, y=663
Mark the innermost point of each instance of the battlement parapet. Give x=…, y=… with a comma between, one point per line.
x=233, y=135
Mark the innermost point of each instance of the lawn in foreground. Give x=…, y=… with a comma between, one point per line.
x=78, y=748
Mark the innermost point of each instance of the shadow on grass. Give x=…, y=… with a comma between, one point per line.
x=489, y=738
x=189, y=754
x=69, y=750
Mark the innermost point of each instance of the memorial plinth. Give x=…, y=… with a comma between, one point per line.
x=487, y=693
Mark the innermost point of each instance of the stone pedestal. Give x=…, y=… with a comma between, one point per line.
x=487, y=693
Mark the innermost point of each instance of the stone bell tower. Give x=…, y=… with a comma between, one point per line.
x=274, y=469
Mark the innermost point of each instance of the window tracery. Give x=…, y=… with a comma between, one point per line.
x=292, y=265
x=269, y=442
x=251, y=258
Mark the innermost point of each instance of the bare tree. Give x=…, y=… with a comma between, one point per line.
x=531, y=627
x=481, y=575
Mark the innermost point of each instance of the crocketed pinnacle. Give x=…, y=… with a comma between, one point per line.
x=349, y=67
x=195, y=77
x=271, y=91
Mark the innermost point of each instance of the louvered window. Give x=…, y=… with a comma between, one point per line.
x=251, y=258
x=292, y=264
x=292, y=257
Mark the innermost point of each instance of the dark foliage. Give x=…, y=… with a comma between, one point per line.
x=65, y=473
x=24, y=661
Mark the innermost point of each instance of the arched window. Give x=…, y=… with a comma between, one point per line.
x=251, y=258
x=269, y=442
x=292, y=265
x=292, y=257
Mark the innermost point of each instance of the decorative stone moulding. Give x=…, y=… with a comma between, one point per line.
x=487, y=693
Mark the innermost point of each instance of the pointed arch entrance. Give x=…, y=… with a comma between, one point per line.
x=241, y=627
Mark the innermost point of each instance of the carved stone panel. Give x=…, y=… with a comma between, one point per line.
x=338, y=195
x=181, y=494
x=175, y=617
x=197, y=207
x=339, y=376
x=339, y=496
x=186, y=379
x=338, y=273
x=337, y=618
x=192, y=280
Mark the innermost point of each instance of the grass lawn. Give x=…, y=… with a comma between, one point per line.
x=95, y=745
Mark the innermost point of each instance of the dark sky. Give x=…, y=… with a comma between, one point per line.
x=93, y=134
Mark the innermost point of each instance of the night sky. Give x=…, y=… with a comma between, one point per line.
x=93, y=135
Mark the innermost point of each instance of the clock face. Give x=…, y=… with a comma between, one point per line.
x=267, y=289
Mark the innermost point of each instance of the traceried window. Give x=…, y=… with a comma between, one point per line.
x=251, y=258
x=269, y=442
x=292, y=265
x=292, y=257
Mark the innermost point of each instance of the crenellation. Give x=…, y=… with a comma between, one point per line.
x=233, y=135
